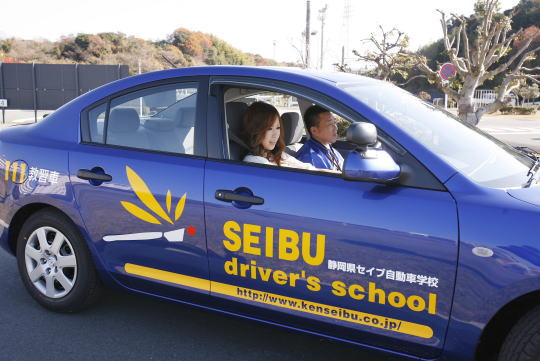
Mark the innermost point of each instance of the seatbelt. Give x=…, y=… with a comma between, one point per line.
x=237, y=140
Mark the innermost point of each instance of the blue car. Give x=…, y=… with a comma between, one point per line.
x=426, y=246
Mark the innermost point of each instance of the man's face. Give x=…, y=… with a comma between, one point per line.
x=326, y=131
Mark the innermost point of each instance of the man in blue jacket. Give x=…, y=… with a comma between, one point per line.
x=318, y=150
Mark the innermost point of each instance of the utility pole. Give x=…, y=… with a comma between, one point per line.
x=307, y=32
x=347, y=24
x=322, y=18
x=274, y=51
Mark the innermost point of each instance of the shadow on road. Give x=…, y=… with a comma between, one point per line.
x=135, y=327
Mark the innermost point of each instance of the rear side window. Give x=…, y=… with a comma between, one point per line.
x=96, y=117
x=160, y=118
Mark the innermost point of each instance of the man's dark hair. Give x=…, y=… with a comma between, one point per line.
x=311, y=116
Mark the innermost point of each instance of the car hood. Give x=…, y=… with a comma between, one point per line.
x=530, y=195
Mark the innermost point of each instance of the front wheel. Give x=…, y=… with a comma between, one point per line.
x=55, y=264
x=523, y=341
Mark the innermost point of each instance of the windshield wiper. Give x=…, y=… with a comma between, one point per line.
x=533, y=172
x=529, y=152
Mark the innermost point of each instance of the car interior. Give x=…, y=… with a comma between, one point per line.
x=236, y=101
x=290, y=108
x=158, y=129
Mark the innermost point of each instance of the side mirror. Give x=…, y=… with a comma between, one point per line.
x=368, y=164
x=362, y=134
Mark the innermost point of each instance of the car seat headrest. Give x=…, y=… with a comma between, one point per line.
x=293, y=127
x=123, y=120
x=235, y=114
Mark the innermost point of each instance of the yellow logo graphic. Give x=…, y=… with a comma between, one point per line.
x=144, y=194
x=147, y=198
x=16, y=171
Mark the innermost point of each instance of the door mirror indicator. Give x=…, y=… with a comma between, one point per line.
x=374, y=165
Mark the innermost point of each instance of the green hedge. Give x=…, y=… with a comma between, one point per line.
x=518, y=110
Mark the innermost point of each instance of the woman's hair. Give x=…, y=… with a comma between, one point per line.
x=260, y=117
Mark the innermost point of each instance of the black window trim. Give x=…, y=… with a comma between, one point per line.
x=220, y=136
x=200, y=141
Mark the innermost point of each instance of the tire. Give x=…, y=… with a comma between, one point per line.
x=523, y=341
x=55, y=264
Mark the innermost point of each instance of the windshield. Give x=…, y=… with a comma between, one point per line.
x=470, y=151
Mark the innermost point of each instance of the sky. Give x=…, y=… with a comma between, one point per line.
x=271, y=28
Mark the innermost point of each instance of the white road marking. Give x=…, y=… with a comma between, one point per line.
x=507, y=130
x=23, y=120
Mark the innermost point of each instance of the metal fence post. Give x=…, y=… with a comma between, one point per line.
x=2, y=92
x=77, y=79
x=34, y=85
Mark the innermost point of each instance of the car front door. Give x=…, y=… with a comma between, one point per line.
x=378, y=261
x=138, y=181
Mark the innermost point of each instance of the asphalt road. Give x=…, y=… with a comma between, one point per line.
x=18, y=116
x=514, y=130
x=134, y=327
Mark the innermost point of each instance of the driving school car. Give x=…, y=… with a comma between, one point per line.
x=426, y=247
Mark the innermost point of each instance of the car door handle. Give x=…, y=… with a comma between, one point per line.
x=91, y=175
x=231, y=196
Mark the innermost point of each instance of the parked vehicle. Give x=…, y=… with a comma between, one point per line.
x=426, y=247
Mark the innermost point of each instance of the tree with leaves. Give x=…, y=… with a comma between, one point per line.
x=487, y=52
x=182, y=48
x=528, y=92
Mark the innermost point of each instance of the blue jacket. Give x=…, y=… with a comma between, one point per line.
x=321, y=157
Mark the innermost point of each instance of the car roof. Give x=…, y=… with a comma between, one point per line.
x=335, y=77
x=295, y=74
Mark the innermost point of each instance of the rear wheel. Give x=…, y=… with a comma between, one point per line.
x=523, y=341
x=55, y=264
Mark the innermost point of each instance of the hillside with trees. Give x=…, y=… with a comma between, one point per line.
x=181, y=48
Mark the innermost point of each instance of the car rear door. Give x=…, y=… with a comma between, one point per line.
x=138, y=182
x=358, y=260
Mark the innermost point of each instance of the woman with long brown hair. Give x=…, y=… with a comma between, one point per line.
x=263, y=134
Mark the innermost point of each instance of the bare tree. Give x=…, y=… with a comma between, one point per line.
x=489, y=54
x=301, y=55
x=342, y=67
x=389, y=53
x=301, y=49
